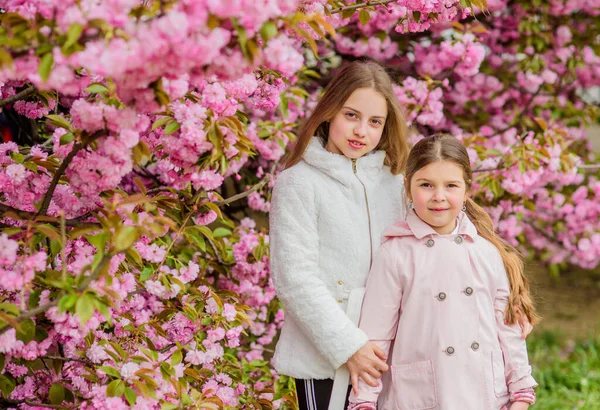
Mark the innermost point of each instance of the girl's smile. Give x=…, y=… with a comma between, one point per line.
x=354, y=144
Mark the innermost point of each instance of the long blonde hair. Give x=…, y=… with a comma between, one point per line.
x=447, y=148
x=354, y=75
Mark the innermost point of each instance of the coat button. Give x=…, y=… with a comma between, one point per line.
x=474, y=346
x=340, y=282
x=469, y=291
x=458, y=239
x=340, y=300
x=430, y=243
x=449, y=350
x=441, y=296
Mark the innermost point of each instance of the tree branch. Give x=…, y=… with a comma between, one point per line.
x=30, y=216
x=61, y=170
x=362, y=5
x=32, y=403
x=19, y=96
x=589, y=166
x=31, y=313
x=242, y=195
x=66, y=359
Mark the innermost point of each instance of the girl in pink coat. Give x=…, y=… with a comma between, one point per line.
x=440, y=290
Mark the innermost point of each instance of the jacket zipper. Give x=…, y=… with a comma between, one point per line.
x=368, y=212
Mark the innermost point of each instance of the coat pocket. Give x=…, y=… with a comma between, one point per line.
x=500, y=388
x=413, y=386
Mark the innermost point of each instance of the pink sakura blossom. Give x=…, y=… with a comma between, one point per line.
x=34, y=109
x=8, y=250
x=206, y=218
x=128, y=370
x=208, y=180
x=229, y=312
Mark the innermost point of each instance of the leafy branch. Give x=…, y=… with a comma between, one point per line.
x=6, y=210
x=19, y=96
x=41, y=309
x=358, y=6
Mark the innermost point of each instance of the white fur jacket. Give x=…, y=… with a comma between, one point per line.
x=322, y=237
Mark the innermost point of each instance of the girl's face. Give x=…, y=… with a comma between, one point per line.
x=438, y=192
x=356, y=129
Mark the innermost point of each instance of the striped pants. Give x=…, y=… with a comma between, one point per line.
x=315, y=394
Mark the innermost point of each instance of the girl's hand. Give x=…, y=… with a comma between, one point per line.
x=368, y=363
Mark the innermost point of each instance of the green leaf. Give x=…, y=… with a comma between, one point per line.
x=99, y=241
x=59, y=121
x=160, y=122
x=49, y=231
x=416, y=15
x=166, y=370
x=125, y=237
x=103, y=309
x=57, y=393
x=284, y=105
x=347, y=13
x=17, y=157
x=146, y=273
x=5, y=58
x=34, y=299
x=40, y=334
x=221, y=232
x=268, y=30
x=172, y=127
x=120, y=351
x=84, y=307
x=45, y=66
x=130, y=395
x=10, y=308
x=73, y=35
x=7, y=385
x=116, y=388
x=168, y=406
x=364, y=17
x=32, y=166
x=109, y=370
x=27, y=332
x=176, y=357
x=55, y=247
x=96, y=88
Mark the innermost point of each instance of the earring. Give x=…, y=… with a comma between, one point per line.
x=464, y=208
x=410, y=204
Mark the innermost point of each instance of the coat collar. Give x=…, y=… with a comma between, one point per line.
x=414, y=226
x=340, y=167
x=420, y=229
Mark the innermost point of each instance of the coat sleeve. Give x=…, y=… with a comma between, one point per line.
x=380, y=313
x=294, y=244
x=517, y=370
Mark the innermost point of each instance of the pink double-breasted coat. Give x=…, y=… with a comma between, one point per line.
x=441, y=299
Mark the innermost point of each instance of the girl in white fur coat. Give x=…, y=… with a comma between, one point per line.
x=341, y=188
